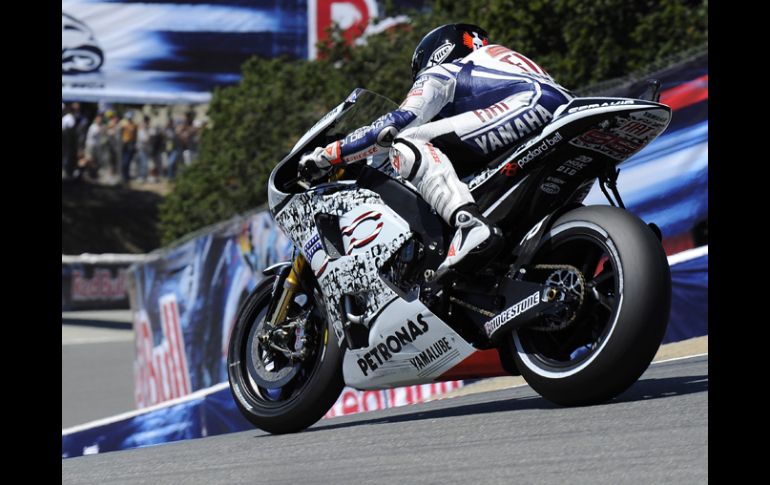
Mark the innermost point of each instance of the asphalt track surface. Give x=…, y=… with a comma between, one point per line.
x=656, y=432
x=97, y=355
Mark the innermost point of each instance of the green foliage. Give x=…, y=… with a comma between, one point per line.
x=255, y=123
x=582, y=42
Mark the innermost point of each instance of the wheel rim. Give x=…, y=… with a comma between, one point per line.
x=562, y=353
x=290, y=378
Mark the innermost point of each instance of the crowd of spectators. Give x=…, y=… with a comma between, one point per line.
x=115, y=148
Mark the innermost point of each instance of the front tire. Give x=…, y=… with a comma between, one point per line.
x=623, y=317
x=302, y=392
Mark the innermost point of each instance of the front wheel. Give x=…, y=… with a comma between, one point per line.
x=285, y=377
x=616, y=268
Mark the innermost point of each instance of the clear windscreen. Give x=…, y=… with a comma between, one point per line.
x=368, y=107
x=359, y=110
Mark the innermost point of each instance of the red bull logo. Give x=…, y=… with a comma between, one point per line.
x=160, y=371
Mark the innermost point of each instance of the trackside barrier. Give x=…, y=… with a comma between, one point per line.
x=211, y=412
x=689, y=315
x=95, y=281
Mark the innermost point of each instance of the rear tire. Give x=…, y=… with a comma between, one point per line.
x=610, y=344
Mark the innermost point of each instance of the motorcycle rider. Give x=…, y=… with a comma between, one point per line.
x=471, y=99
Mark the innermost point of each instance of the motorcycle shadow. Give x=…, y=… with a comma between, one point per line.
x=646, y=389
x=642, y=390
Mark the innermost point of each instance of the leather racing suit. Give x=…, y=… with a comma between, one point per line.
x=473, y=110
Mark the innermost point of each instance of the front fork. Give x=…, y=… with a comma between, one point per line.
x=291, y=282
x=289, y=287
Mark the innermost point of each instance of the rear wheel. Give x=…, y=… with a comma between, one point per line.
x=285, y=378
x=616, y=268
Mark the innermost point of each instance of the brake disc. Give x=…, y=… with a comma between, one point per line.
x=269, y=367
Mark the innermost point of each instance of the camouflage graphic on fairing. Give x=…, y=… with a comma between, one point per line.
x=371, y=234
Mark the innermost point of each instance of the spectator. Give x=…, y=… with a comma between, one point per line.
x=157, y=142
x=195, y=140
x=81, y=128
x=143, y=146
x=113, y=144
x=173, y=148
x=69, y=144
x=94, y=146
x=128, y=137
x=187, y=137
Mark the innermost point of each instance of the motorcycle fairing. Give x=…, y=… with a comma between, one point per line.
x=592, y=133
x=371, y=232
x=408, y=344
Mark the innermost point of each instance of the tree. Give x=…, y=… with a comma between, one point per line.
x=254, y=124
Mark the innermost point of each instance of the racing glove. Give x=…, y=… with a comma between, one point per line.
x=313, y=166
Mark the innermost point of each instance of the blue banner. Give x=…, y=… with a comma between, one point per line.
x=689, y=299
x=185, y=302
x=171, y=51
x=177, y=51
x=667, y=182
x=182, y=421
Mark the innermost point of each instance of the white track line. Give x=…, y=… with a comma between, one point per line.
x=439, y=397
x=96, y=340
x=130, y=414
x=688, y=255
x=680, y=358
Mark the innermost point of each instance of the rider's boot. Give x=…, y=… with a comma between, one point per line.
x=475, y=243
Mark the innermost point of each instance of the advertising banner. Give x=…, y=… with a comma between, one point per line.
x=177, y=51
x=212, y=412
x=689, y=295
x=90, y=287
x=667, y=182
x=95, y=282
x=184, y=303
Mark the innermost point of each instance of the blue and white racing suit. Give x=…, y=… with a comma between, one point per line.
x=472, y=109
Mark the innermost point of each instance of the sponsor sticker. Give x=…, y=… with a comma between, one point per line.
x=312, y=246
x=358, y=234
x=441, y=53
x=512, y=312
x=550, y=188
x=577, y=109
x=433, y=352
x=392, y=344
x=573, y=166
x=612, y=145
x=540, y=149
x=517, y=127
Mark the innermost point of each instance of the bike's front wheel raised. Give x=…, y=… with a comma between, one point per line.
x=612, y=264
x=284, y=377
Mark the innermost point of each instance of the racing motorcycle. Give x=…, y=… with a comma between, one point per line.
x=577, y=303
